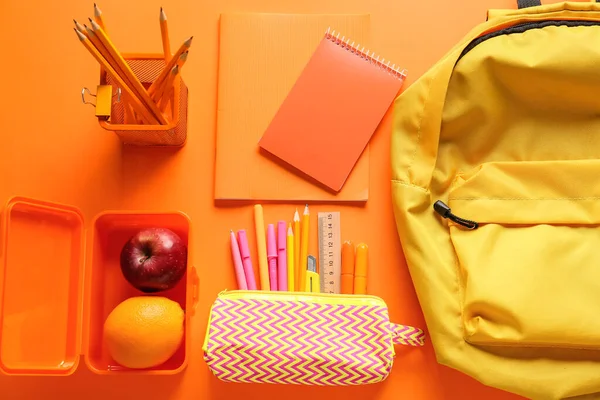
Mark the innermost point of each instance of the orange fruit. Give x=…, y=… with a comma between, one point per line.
x=144, y=331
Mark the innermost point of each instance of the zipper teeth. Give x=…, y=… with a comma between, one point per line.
x=303, y=294
x=523, y=27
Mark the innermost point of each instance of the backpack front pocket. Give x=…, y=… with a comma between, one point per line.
x=530, y=267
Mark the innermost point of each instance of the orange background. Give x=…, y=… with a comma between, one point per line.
x=52, y=148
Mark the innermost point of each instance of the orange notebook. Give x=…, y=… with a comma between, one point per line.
x=332, y=111
x=260, y=58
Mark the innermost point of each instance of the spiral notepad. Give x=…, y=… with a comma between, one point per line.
x=332, y=111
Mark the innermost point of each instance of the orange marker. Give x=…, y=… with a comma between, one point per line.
x=347, y=268
x=360, y=269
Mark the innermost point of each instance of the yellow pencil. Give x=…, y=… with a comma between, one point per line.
x=297, y=246
x=137, y=85
x=182, y=59
x=302, y=267
x=158, y=81
x=104, y=52
x=158, y=95
x=135, y=101
x=168, y=88
x=290, y=258
x=129, y=113
x=261, y=244
x=164, y=34
x=98, y=17
x=162, y=86
x=80, y=27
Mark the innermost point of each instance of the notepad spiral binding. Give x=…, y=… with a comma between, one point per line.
x=367, y=55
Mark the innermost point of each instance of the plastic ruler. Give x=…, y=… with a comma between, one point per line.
x=330, y=251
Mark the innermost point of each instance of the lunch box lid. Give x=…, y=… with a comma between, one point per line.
x=41, y=313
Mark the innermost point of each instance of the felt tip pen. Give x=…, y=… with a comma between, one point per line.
x=361, y=269
x=282, y=283
x=246, y=260
x=272, y=256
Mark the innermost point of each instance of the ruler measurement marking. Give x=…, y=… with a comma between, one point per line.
x=330, y=250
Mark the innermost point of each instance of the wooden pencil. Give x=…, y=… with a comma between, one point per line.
x=98, y=17
x=164, y=34
x=165, y=72
x=159, y=92
x=156, y=96
x=102, y=50
x=139, y=107
x=80, y=28
x=182, y=59
x=168, y=88
x=137, y=85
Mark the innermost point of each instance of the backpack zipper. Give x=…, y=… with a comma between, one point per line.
x=442, y=209
x=523, y=27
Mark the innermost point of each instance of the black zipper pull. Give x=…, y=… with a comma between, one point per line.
x=441, y=208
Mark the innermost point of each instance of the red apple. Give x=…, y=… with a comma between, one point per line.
x=154, y=259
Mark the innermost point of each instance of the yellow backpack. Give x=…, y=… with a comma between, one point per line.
x=496, y=193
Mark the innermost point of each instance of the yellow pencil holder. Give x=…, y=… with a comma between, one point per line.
x=147, y=67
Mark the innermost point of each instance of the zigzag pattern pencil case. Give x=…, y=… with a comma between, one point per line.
x=300, y=338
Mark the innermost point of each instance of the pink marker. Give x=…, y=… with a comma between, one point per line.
x=272, y=256
x=237, y=263
x=282, y=256
x=247, y=262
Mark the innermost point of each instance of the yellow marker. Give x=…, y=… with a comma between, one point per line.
x=297, y=248
x=290, y=258
x=360, y=269
x=261, y=247
x=302, y=267
x=313, y=281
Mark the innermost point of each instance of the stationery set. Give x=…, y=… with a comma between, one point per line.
x=299, y=98
x=303, y=137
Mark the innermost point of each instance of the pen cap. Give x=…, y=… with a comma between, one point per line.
x=271, y=244
x=282, y=235
x=243, y=241
x=361, y=260
x=347, y=258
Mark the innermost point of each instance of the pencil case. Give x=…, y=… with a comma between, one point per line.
x=305, y=339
